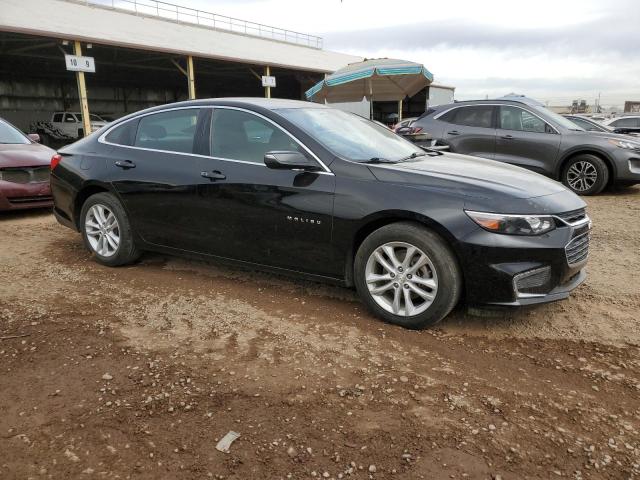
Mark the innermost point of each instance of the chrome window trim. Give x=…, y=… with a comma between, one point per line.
x=102, y=138
x=497, y=105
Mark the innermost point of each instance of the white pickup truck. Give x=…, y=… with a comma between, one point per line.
x=71, y=123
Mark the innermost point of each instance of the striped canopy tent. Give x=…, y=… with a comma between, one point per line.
x=382, y=79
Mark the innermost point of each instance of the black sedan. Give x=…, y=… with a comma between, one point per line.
x=299, y=187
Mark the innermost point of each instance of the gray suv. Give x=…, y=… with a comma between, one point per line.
x=524, y=132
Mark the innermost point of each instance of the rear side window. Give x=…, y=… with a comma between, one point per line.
x=625, y=122
x=475, y=116
x=124, y=134
x=239, y=135
x=57, y=117
x=514, y=118
x=173, y=131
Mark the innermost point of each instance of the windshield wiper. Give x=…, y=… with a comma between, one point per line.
x=412, y=156
x=380, y=160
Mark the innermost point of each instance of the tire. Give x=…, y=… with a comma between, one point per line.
x=442, y=268
x=595, y=174
x=95, y=225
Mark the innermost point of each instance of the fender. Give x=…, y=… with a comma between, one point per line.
x=593, y=149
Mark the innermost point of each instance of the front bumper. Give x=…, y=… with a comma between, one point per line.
x=20, y=196
x=494, y=264
x=627, y=166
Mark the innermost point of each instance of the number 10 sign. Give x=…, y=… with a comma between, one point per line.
x=80, y=64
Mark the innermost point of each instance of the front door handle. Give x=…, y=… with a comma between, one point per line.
x=454, y=132
x=507, y=137
x=214, y=175
x=125, y=164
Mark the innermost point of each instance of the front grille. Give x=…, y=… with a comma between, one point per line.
x=533, y=282
x=573, y=216
x=25, y=174
x=40, y=198
x=577, y=250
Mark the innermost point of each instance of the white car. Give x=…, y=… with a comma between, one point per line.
x=628, y=124
x=71, y=123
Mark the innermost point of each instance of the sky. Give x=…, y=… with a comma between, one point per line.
x=552, y=50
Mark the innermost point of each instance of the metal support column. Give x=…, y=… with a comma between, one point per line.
x=399, y=111
x=191, y=78
x=82, y=93
x=267, y=90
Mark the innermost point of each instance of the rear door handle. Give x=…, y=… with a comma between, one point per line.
x=507, y=137
x=125, y=164
x=454, y=132
x=214, y=175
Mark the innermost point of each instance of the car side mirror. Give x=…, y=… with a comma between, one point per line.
x=34, y=137
x=286, y=160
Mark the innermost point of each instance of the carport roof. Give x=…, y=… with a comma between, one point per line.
x=71, y=20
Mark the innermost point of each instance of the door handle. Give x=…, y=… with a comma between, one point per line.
x=214, y=175
x=454, y=132
x=507, y=137
x=125, y=164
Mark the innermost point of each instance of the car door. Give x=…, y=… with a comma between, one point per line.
x=70, y=125
x=470, y=130
x=526, y=140
x=154, y=171
x=246, y=211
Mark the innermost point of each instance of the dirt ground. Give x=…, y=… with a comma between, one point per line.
x=137, y=372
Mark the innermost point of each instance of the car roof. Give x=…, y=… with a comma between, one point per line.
x=266, y=103
x=495, y=101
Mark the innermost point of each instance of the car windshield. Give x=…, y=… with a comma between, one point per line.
x=10, y=134
x=349, y=135
x=559, y=119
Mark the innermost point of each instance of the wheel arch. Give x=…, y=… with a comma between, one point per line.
x=82, y=196
x=380, y=219
x=604, y=156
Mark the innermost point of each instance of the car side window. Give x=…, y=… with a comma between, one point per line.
x=625, y=122
x=238, y=135
x=124, y=134
x=69, y=118
x=173, y=131
x=474, y=116
x=515, y=118
x=57, y=117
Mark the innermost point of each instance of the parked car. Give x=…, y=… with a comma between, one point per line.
x=589, y=125
x=325, y=194
x=70, y=123
x=626, y=124
x=525, y=133
x=24, y=170
x=407, y=122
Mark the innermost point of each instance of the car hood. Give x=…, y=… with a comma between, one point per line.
x=28, y=155
x=470, y=176
x=608, y=135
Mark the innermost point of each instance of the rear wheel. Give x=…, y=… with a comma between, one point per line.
x=407, y=275
x=585, y=174
x=106, y=230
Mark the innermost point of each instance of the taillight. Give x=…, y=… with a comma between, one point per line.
x=417, y=129
x=55, y=160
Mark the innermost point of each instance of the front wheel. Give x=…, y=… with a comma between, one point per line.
x=585, y=174
x=106, y=230
x=407, y=275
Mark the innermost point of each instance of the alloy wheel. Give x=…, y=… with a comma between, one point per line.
x=401, y=278
x=582, y=176
x=102, y=230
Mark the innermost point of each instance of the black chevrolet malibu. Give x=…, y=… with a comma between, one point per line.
x=299, y=187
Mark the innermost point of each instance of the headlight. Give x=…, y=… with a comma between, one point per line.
x=625, y=144
x=513, y=224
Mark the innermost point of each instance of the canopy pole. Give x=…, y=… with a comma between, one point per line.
x=82, y=93
x=399, y=111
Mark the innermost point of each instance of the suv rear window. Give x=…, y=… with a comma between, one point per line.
x=472, y=116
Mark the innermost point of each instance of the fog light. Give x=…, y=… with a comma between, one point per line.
x=533, y=283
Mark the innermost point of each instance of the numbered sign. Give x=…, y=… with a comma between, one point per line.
x=268, y=81
x=80, y=64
